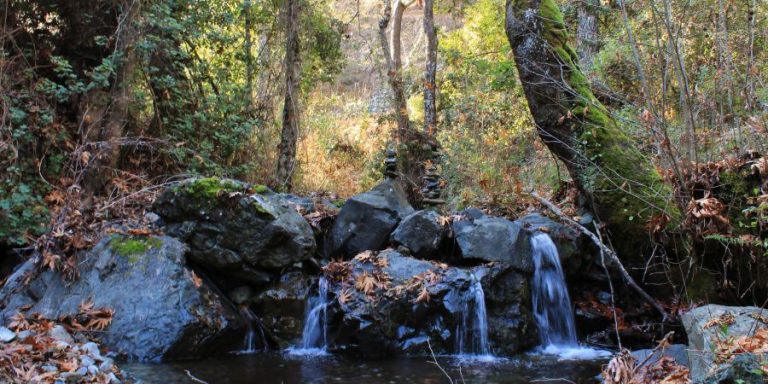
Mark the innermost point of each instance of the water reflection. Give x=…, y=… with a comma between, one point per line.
x=288, y=369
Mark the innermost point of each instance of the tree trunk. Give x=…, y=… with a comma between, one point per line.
x=620, y=185
x=394, y=64
x=587, y=34
x=286, y=159
x=430, y=85
x=248, y=48
x=107, y=112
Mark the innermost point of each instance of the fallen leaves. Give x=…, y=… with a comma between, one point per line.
x=725, y=319
x=39, y=356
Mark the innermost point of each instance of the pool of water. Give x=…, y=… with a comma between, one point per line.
x=291, y=368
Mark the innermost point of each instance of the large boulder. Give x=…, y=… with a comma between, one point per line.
x=161, y=309
x=422, y=233
x=704, y=329
x=389, y=304
x=366, y=221
x=235, y=230
x=492, y=239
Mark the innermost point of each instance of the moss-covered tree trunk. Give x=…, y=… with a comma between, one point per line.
x=620, y=185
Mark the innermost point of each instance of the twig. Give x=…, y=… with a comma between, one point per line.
x=434, y=361
x=550, y=380
x=662, y=344
x=608, y=251
x=195, y=379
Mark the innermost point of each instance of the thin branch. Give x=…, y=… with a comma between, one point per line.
x=608, y=251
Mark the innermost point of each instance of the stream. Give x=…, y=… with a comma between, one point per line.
x=286, y=368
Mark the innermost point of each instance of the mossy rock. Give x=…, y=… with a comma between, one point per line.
x=133, y=247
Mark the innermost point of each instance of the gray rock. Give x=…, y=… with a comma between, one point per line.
x=106, y=365
x=86, y=361
x=422, y=233
x=366, y=221
x=493, y=239
x=746, y=368
x=679, y=352
x=160, y=312
x=701, y=340
x=92, y=349
x=24, y=334
x=49, y=368
x=238, y=235
x=6, y=335
x=58, y=333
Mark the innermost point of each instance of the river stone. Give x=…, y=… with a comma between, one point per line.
x=701, y=340
x=393, y=320
x=422, y=233
x=6, y=335
x=366, y=221
x=235, y=233
x=160, y=310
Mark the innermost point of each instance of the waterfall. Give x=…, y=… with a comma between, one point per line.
x=472, y=330
x=551, y=304
x=314, y=336
x=249, y=344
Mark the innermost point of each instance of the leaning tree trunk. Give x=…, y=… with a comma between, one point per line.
x=620, y=185
x=430, y=85
x=286, y=159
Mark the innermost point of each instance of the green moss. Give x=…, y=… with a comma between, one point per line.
x=132, y=247
x=260, y=189
x=210, y=187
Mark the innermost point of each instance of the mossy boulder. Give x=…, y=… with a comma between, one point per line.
x=237, y=231
x=161, y=309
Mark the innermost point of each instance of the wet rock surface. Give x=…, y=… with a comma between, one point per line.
x=282, y=307
x=236, y=231
x=161, y=310
x=389, y=304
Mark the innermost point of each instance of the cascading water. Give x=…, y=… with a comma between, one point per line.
x=314, y=336
x=249, y=344
x=551, y=304
x=472, y=330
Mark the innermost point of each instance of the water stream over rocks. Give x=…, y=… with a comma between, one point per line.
x=472, y=331
x=314, y=337
x=552, y=305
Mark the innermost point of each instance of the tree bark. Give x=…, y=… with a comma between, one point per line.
x=620, y=185
x=587, y=33
x=286, y=159
x=392, y=55
x=107, y=112
x=430, y=85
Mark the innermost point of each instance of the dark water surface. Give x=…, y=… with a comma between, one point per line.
x=285, y=368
